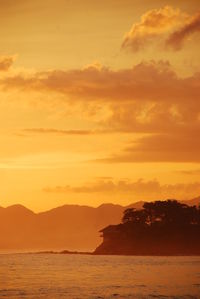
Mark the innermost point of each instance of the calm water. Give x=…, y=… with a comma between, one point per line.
x=82, y=276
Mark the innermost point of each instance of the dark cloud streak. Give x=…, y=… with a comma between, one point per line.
x=177, y=38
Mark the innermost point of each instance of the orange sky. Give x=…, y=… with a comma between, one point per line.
x=99, y=101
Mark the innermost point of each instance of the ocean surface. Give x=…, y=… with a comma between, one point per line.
x=84, y=276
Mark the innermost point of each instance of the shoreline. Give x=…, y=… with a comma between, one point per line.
x=99, y=254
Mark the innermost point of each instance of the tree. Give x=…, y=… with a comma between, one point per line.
x=169, y=213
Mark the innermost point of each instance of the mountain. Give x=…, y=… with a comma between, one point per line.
x=71, y=227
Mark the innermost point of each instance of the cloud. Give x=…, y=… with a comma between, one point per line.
x=154, y=24
x=177, y=38
x=149, y=98
x=140, y=188
x=6, y=62
x=166, y=27
x=61, y=132
x=190, y=172
x=161, y=148
x=57, y=132
x=147, y=81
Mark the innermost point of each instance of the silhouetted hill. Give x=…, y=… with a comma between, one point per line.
x=159, y=228
x=192, y=202
x=71, y=227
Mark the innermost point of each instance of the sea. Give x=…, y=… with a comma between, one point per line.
x=97, y=277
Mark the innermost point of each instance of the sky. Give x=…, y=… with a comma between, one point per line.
x=99, y=101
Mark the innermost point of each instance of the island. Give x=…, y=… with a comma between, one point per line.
x=159, y=228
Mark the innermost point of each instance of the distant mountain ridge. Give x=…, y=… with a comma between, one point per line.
x=71, y=227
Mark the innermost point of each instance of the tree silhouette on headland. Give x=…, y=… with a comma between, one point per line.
x=164, y=213
x=161, y=227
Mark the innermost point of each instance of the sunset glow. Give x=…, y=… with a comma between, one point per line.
x=99, y=101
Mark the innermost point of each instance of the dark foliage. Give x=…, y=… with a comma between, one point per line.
x=163, y=213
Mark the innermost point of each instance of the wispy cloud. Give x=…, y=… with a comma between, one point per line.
x=6, y=62
x=160, y=148
x=166, y=27
x=57, y=131
x=147, y=189
x=60, y=132
x=190, y=172
x=177, y=38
